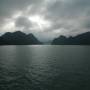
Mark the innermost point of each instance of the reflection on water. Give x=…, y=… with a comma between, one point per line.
x=44, y=67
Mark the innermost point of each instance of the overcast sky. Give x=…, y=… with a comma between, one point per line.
x=45, y=18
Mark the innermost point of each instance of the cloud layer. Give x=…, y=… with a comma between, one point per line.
x=45, y=18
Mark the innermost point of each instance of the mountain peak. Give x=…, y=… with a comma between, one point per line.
x=19, y=33
x=18, y=38
x=81, y=39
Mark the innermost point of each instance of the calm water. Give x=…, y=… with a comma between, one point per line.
x=44, y=67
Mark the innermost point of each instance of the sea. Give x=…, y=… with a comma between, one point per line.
x=45, y=67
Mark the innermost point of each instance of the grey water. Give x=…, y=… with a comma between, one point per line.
x=45, y=67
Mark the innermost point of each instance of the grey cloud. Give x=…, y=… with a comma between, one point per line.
x=69, y=14
x=23, y=22
x=72, y=15
x=8, y=7
x=86, y=24
x=69, y=9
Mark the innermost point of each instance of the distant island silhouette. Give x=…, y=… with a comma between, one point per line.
x=18, y=38
x=81, y=39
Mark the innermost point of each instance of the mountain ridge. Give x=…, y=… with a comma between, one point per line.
x=21, y=38
x=80, y=39
x=18, y=38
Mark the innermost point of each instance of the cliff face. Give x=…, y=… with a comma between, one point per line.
x=18, y=38
x=81, y=39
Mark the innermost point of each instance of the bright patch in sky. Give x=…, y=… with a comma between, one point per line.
x=9, y=26
x=40, y=22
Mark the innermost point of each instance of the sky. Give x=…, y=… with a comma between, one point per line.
x=46, y=19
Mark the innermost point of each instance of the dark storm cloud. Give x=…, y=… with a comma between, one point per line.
x=67, y=17
x=8, y=7
x=69, y=14
x=69, y=8
x=23, y=22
